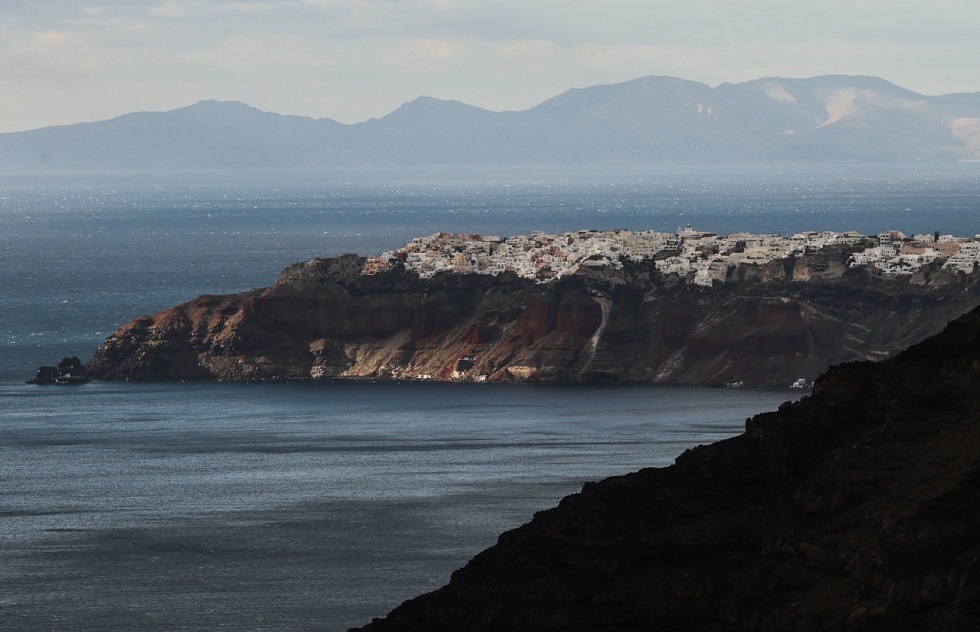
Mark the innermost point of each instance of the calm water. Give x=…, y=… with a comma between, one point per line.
x=298, y=506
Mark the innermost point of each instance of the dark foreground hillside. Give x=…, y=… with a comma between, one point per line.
x=857, y=508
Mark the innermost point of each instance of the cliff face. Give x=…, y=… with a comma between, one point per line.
x=857, y=508
x=322, y=319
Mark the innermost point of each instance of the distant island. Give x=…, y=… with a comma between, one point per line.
x=690, y=307
x=647, y=121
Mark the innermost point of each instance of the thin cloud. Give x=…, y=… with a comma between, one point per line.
x=524, y=51
x=49, y=40
x=424, y=51
x=248, y=53
x=169, y=9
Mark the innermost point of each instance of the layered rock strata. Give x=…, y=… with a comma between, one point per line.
x=857, y=508
x=768, y=326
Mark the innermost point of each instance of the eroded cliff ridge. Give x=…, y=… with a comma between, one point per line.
x=765, y=325
x=857, y=508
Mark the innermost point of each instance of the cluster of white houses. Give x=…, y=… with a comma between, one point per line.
x=701, y=256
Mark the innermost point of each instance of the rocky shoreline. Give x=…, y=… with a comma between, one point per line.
x=770, y=326
x=70, y=371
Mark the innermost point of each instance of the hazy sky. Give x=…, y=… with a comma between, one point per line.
x=64, y=61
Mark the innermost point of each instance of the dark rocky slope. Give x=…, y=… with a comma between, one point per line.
x=857, y=508
x=69, y=371
x=767, y=326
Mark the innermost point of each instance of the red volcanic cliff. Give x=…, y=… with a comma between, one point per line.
x=323, y=319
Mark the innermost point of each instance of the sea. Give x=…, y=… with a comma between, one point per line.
x=319, y=505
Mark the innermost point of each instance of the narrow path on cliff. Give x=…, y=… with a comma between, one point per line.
x=590, y=347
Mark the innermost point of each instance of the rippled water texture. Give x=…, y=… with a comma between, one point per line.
x=302, y=505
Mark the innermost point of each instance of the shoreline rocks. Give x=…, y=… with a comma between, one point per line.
x=70, y=371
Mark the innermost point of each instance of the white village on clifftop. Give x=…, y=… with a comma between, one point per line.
x=702, y=257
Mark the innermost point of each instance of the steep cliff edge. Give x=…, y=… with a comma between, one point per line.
x=857, y=508
x=770, y=326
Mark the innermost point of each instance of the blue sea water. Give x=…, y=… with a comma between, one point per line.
x=319, y=505
x=298, y=506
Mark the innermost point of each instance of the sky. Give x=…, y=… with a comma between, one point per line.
x=68, y=61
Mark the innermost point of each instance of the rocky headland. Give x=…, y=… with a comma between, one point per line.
x=695, y=309
x=856, y=508
x=69, y=371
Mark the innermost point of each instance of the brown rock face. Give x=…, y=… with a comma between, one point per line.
x=857, y=508
x=324, y=319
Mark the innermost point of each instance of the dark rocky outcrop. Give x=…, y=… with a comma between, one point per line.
x=768, y=326
x=69, y=371
x=857, y=508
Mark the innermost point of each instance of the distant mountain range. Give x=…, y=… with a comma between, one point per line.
x=652, y=120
